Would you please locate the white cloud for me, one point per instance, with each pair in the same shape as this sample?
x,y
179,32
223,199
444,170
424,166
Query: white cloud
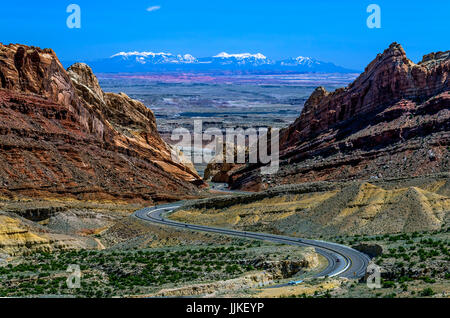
x,y
153,8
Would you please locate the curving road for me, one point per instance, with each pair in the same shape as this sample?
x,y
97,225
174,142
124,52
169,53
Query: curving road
x,y
343,261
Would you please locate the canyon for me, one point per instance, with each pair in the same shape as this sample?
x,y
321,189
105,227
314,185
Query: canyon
x,y
364,166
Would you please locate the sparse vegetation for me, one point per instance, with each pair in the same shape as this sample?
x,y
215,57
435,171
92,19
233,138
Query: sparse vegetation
x,y
127,272
413,264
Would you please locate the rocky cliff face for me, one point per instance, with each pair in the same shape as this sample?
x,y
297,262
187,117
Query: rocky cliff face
x,y
62,136
394,120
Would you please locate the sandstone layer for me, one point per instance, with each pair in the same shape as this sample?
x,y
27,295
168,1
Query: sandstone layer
x,y
61,136
19,236
392,121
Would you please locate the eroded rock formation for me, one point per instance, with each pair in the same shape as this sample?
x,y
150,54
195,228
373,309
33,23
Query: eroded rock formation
x,y
62,136
19,236
393,120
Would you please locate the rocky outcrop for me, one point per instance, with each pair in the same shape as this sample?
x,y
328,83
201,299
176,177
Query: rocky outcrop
x,y
281,269
214,288
268,271
373,250
15,238
62,136
393,120
132,119
218,170
21,237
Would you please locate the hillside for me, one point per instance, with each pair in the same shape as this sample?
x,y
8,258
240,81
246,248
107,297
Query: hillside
x,y
330,208
392,121
62,137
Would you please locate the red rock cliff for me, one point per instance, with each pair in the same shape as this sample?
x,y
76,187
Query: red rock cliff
x,y
392,121
62,136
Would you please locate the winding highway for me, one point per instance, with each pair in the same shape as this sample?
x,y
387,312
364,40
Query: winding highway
x,y
343,261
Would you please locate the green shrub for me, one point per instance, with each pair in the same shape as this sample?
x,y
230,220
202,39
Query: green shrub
x,y
388,284
427,292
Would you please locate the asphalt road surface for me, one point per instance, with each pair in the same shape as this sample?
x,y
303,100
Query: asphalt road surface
x,y
343,261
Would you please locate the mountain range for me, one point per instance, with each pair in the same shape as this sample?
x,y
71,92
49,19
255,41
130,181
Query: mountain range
x,y
136,62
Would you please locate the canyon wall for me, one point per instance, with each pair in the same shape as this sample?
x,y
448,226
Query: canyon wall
x,y
61,136
392,121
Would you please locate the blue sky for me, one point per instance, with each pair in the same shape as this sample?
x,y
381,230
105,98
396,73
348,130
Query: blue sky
x,y
333,31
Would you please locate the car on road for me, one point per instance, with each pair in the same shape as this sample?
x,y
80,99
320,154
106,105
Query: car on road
x,y
295,282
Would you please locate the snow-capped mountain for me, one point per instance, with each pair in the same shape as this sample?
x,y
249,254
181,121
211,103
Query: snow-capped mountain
x,y
154,58
308,64
223,62
234,62
300,60
240,59
241,56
